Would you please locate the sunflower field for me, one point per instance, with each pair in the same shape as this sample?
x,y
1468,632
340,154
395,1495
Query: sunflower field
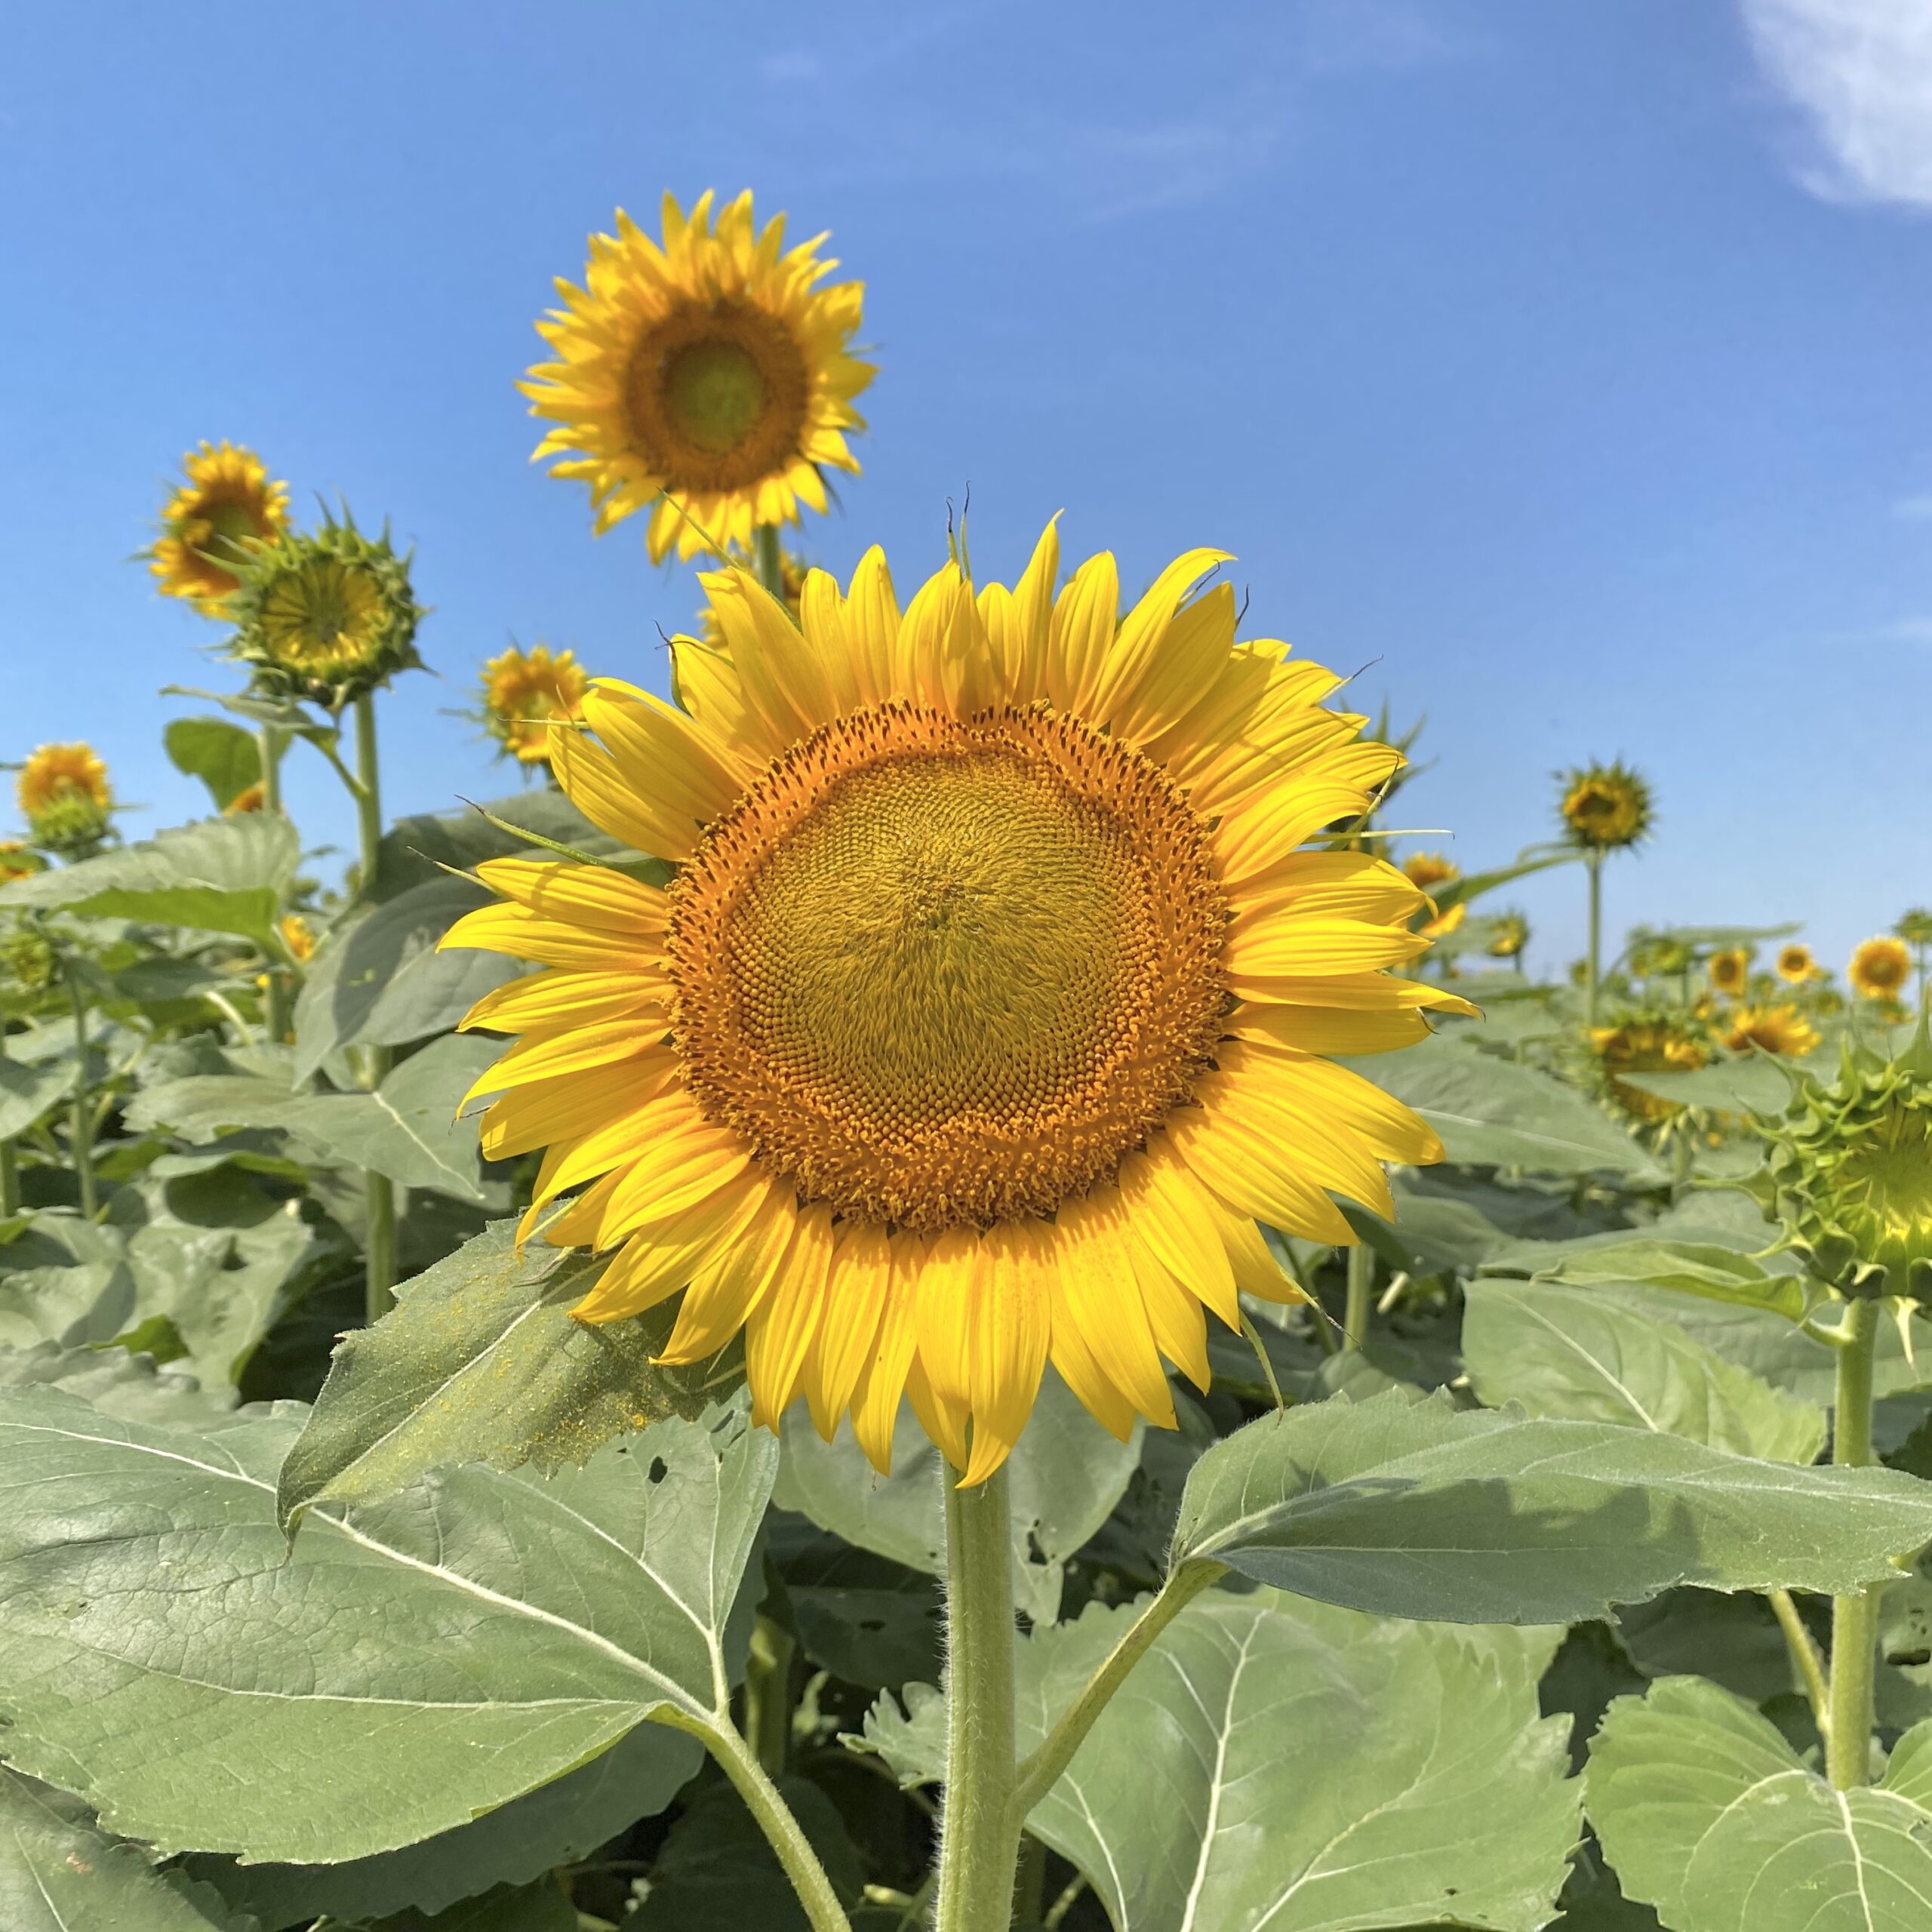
x,y
942,1278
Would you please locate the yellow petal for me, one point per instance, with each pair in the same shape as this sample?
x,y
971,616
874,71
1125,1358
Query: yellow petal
x,y
1179,1326
943,1420
603,791
1097,1294
856,1295
559,997
1133,655
1008,1330
875,1401
523,935
1168,1211
1082,632
579,895
782,1328
1314,1029
650,1268
1250,1173
724,1292
572,1104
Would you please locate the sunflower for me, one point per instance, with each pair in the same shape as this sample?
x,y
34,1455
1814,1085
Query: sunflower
x,y
226,505
986,1012
18,860
1425,871
63,792
1509,933
1796,967
1604,808
1730,969
1879,967
523,691
1645,1046
709,377
1914,927
1777,1029
298,936
327,615
251,798
792,571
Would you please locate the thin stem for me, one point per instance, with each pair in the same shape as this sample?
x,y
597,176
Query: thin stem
x,y
1855,1617
736,1759
1057,1912
80,1133
1041,1771
10,1161
1593,964
1360,1308
269,743
379,1193
768,1694
768,559
1806,1658
979,1825
1030,1897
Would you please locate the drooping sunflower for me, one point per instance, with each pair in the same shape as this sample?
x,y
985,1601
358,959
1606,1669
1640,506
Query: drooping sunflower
x,y
1425,871
226,504
64,794
1729,971
1780,1029
523,691
986,1012
1914,926
1796,967
327,615
710,377
1645,1045
1509,933
1604,808
1879,968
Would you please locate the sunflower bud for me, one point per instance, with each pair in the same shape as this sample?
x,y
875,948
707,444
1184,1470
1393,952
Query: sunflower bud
x,y
1604,808
29,956
64,794
327,615
1849,1172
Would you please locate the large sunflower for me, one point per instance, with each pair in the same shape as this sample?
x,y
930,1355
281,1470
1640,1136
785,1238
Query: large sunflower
x,y
1879,968
985,1015
709,377
226,504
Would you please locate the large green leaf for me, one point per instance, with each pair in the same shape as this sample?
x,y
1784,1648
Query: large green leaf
x,y
1493,1112
407,1129
1273,1762
1744,1084
481,1362
131,1387
1708,1815
1066,1474
380,979
58,1873
1414,1508
415,851
29,1091
401,1669
218,874
224,757
555,1824
1588,1354
1687,1268
538,1908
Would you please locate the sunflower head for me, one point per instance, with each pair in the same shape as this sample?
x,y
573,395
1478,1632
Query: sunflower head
x,y
1780,1029
1658,955
1914,927
1849,1172
1729,971
28,955
708,378
523,691
1604,808
1879,968
298,936
1509,933
987,1011
18,859
1796,967
1645,1044
225,506
327,616
64,794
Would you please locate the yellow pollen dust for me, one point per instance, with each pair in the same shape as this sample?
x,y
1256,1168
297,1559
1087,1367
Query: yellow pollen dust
x,y
943,971
717,394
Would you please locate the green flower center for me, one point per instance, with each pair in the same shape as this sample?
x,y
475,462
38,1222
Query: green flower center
x,y
715,392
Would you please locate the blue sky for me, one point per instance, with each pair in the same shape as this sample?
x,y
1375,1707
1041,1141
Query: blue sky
x,y
1565,370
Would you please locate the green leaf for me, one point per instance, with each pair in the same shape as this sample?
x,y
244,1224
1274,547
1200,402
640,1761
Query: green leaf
x,y
380,979
1734,1641
867,1619
1414,1508
218,874
554,1825
1587,1354
1493,1112
1750,1083
59,1874
413,850
1473,885
1686,1268
400,1670
1066,1474
27,1093
1277,1762
225,758
1706,1814
480,1362
540,1907
407,1129
131,1386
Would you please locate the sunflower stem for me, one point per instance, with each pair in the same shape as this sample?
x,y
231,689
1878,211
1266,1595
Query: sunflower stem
x,y
268,743
768,560
1359,1309
1855,1616
1807,1661
80,1132
978,1851
1593,964
10,1161
378,1191
768,1694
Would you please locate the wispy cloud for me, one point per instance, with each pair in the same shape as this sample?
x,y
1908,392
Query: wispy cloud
x,y
1914,510
1861,71
1910,630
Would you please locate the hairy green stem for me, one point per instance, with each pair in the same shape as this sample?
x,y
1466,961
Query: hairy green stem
x,y
768,1694
1806,1660
1360,1307
1593,962
80,1133
979,1847
10,1161
379,1194
1855,1617
269,744
1041,1771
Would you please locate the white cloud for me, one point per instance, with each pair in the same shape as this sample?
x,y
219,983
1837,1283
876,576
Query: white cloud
x,y
1862,70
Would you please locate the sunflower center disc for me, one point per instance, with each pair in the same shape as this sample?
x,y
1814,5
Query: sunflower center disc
x,y
942,971
715,393
1893,1175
